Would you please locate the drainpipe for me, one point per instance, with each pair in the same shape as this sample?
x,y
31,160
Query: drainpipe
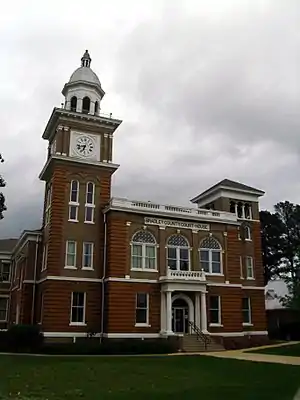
x,y
103,276
34,280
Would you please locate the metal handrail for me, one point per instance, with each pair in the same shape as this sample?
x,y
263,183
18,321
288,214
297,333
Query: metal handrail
x,y
200,335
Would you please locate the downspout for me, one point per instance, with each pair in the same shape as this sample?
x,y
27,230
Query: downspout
x,y
103,276
34,280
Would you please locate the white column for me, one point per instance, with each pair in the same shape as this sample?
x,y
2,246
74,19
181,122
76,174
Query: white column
x,y
197,310
203,313
163,319
243,211
169,311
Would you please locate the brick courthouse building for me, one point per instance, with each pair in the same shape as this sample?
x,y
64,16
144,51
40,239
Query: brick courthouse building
x,y
123,268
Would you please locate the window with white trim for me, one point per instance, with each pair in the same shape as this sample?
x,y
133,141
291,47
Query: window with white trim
x,y
45,257
87,255
210,255
246,310
48,205
71,247
89,203
78,308
74,201
247,233
143,251
215,310
142,309
249,268
178,253
3,309
241,268
5,268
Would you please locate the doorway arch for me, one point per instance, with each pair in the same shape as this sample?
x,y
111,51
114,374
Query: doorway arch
x,y
182,312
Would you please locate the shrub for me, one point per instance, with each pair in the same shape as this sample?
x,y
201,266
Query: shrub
x,y
24,338
3,341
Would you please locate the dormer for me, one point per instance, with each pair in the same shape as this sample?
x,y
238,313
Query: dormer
x,y
231,196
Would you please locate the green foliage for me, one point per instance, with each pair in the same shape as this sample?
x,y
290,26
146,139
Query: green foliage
x,y
24,338
2,198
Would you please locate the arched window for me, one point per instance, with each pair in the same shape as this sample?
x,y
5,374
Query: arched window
x,y
74,201
178,253
247,209
96,107
232,207
247,233
240,210
211,256
89,202
143,251
74,103
86,103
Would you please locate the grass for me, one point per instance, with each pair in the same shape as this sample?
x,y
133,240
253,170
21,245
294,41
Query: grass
x,y
188,377
292,350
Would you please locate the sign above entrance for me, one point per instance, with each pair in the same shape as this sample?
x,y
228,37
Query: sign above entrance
x,y
176,224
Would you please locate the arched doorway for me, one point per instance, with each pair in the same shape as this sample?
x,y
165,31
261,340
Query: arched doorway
x,y
182,313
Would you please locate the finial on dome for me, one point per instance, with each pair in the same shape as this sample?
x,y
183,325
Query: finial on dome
x,y
86,59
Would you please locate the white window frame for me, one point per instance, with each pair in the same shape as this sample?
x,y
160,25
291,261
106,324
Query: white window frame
x,y
219,323
178,259
7,301
249,267
247,232
147,309
83,323
73,203
92,255
210,261
4,262
89,205
241,268
48,205
45,257
249,323
144,245
74,254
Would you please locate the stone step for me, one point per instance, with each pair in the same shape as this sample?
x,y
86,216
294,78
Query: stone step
x,y
191,344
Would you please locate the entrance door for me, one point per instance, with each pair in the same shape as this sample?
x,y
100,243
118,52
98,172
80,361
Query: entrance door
x,y
180,316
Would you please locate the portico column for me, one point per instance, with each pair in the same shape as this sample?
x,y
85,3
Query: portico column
x,y
203,313
163,319
197,310
169,311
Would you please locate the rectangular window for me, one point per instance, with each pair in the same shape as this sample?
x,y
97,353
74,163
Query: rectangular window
x,y
150,257
204,260
142,310
74,201
87,255
241,267
172,258
48,205
45,257
5,272
249,268
70,260
89,202
78,308
143,256
210,261
137,256
215,310
184,259
3,308
246,310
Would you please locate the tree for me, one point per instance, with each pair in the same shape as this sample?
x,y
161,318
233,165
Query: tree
x,y
2,198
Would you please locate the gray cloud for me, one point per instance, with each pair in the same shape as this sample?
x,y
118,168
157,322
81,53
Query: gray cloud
x,y
207,90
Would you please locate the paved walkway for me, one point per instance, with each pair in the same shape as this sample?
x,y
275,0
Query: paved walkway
x,y
246,355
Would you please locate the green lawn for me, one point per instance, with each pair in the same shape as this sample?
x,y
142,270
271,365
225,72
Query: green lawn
x,y
185,377
286,350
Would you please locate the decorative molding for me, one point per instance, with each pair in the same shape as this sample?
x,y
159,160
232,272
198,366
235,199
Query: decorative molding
x,y
128,223
253,287
133,280
131,335
161,227
69,278
225,234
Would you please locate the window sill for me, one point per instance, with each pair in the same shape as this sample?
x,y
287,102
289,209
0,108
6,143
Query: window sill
x,y
69,267
247,324
87,268
213,274
216,325
143,325
143,270
77,324
73,220
89,222
250,279
248,240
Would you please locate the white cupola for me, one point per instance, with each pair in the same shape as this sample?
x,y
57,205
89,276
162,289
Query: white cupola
x,y
83,93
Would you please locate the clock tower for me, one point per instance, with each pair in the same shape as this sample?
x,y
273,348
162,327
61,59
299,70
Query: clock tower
x,y
77,175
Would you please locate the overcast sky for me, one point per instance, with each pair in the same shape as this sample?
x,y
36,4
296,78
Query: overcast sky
x,y
206,90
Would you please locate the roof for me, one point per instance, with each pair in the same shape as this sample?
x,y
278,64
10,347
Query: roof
x,y
274,291
85,74
228,184
7,245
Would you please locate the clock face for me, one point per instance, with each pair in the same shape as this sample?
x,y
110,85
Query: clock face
x,y
85,146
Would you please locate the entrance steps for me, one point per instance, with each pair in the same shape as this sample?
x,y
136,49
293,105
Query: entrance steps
x,y
192,344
